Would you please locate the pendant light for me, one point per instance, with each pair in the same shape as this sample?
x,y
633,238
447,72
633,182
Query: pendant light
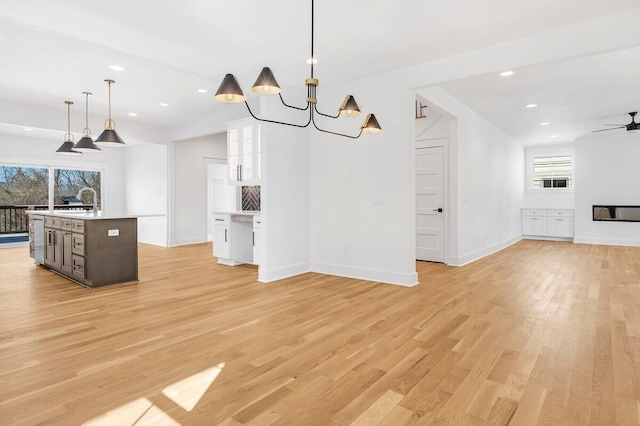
x,y
86,143
67,146
266,84
109,137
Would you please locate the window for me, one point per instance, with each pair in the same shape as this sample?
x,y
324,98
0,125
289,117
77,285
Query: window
x,y
552,172
67,183
24,185
550,168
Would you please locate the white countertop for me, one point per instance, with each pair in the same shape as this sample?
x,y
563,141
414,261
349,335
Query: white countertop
x,y
241,213
80,214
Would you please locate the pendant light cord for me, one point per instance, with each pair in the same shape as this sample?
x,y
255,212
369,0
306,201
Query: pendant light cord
x,y
312,57
68,118
109,101
86,111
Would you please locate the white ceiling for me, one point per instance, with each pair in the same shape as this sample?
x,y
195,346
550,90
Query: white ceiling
x,y
53,50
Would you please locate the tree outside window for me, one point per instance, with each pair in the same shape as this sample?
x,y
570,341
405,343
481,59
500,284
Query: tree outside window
x,y
67,183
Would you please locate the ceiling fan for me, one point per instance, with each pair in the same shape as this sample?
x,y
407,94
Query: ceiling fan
x,y
632,127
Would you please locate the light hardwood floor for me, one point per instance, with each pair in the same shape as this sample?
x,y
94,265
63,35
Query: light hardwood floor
x,y
539,333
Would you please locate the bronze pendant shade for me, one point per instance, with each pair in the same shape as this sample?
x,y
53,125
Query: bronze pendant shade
x,y
266,84
67,146
109,137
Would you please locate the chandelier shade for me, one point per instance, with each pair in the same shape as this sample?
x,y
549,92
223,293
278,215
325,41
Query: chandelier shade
x,y
349,107
266,84
229,91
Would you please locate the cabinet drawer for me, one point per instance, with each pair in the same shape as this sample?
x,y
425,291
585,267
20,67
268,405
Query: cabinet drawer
x,y
560,213
221,219
534,212
53,222
77,225
77,244
79,271
66,224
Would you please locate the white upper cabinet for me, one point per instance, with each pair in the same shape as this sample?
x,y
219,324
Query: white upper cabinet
x,y
244,152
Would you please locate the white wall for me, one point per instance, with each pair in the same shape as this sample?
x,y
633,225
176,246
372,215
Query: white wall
x,y
24,150
146,177
188,191
284,196
607,172
350,234
488,194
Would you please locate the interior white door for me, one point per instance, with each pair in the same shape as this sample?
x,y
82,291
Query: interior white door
x,y
429,204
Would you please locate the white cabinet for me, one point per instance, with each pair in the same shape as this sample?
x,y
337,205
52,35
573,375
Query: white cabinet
x,y
560,223
244,152
221,237
547,224
237,239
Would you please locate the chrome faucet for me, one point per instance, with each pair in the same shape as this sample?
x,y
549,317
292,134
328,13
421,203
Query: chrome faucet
x,y
95,197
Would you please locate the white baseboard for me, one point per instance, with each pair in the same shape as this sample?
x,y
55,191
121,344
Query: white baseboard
x,y
16,244
187,241
387,277
472,257
267,276
607,241
153,241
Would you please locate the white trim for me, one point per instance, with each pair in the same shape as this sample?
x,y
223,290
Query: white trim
x,y
472,257
607,242
153,241
187,241
386,277
547,238
267,276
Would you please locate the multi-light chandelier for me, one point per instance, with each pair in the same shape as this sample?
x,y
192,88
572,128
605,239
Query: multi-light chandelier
x,y
109,137
266,84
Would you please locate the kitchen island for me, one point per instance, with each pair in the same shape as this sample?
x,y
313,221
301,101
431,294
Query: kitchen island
x,y
91,249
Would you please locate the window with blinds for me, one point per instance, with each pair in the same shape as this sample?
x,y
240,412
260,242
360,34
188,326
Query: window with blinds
x,y
553,172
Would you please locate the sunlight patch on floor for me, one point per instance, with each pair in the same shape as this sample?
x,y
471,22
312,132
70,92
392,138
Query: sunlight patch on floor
x,y
187,392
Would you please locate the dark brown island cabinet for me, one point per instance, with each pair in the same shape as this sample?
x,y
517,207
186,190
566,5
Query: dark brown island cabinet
x,y
91,250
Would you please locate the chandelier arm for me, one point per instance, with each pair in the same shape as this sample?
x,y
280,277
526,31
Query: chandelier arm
x,y
333,133
277,122
325,115
292,106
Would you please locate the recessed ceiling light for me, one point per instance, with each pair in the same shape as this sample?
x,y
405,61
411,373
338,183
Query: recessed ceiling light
x,y
116,68
133,114
545,123
506,73
554,136
312,61
532,105
28,129
202,91
164,104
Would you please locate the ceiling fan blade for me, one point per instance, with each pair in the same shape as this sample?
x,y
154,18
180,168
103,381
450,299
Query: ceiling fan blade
x,y
605,130
614,124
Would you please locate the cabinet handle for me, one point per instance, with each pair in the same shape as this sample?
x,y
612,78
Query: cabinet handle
x,y
219,220
225,235
240,172
254,239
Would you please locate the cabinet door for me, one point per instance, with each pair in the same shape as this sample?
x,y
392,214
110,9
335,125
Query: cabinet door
x,y
540,226
244,148
221,242
528,225
49,248
258,244
554,227
67,253
233,154
57,249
